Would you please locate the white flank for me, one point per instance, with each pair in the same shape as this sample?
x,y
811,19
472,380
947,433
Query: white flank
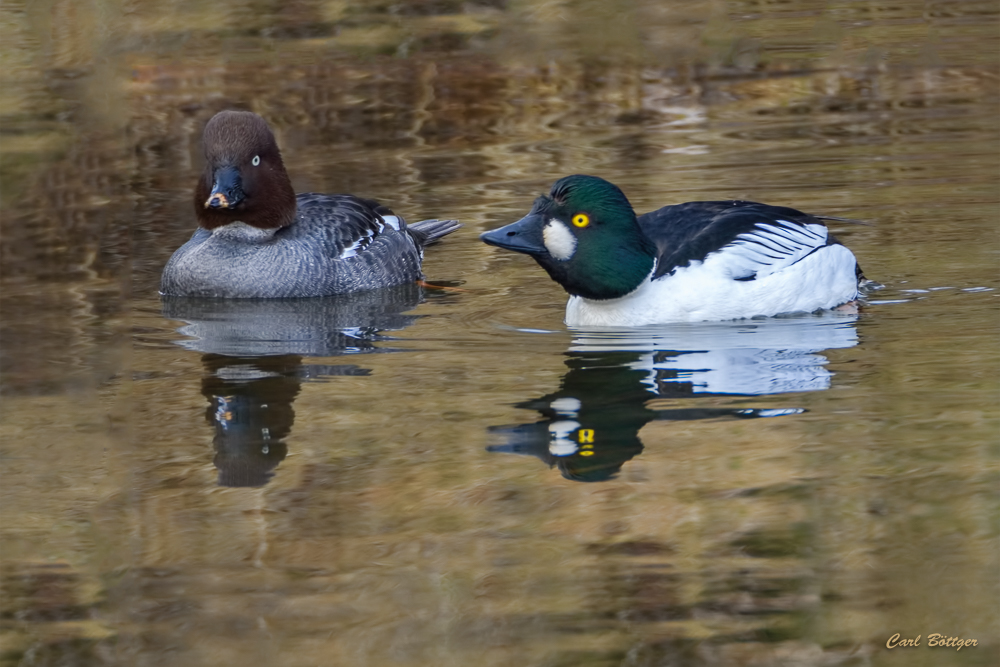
x,y
559,241
706,291
392,221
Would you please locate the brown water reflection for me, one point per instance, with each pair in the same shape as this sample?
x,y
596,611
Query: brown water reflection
x,y
388,533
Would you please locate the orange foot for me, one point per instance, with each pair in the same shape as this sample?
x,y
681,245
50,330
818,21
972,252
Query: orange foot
x,y
424,283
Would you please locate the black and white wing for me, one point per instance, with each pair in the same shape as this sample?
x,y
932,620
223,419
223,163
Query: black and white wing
x,y
748,239
348,225
771,247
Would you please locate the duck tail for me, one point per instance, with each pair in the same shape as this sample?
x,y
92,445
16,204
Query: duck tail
x,y
427,232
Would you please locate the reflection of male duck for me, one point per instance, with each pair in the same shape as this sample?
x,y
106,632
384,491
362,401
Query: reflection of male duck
x,y
754,357
590,427
252,355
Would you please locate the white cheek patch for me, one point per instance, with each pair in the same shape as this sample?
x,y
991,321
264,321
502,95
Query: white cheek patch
x,y
559,241
559,440
567,406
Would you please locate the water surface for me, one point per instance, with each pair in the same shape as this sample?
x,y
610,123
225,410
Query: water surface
x,y
448,475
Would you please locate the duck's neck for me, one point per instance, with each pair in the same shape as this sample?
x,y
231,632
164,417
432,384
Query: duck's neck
x,y
611,270
243,233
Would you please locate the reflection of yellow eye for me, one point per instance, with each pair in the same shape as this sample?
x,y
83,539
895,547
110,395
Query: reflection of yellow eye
x,y
581,220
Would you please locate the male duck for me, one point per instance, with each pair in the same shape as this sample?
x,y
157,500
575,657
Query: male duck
x,y
707,260
257,239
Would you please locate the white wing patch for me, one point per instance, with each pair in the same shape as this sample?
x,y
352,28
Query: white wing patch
x,y
771,247
368,235
351,250
359,246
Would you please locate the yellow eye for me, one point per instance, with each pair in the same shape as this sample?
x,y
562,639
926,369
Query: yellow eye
x,y
581,220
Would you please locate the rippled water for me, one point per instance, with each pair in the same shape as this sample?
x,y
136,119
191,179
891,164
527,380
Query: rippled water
x,y
448,475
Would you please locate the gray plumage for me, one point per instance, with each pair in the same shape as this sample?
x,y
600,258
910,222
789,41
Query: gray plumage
x,y
257,239
306,258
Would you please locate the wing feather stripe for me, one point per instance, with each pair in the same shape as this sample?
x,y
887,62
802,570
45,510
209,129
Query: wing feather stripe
x,y
741,239
789,230
770,244
747,256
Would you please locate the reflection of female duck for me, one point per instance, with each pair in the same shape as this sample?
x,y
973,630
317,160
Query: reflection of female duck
x,y
590,427
250,407
253,363
320,327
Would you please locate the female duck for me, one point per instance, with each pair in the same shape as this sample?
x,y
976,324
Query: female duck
x,y
258,240
711,260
